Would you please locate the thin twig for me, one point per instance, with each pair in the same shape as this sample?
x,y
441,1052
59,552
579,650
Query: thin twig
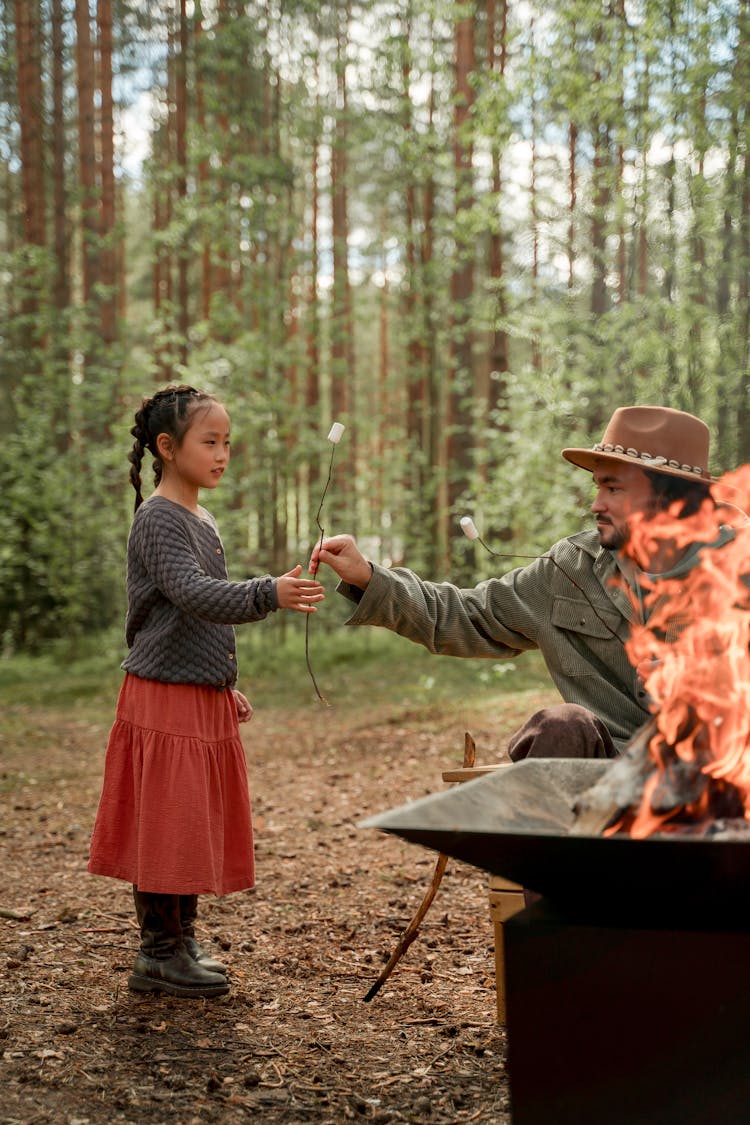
x,y
274,1085
105,930
318,692
513,555
14,915
412,929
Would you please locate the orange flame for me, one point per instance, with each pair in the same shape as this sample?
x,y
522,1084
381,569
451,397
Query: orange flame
x,y
693,653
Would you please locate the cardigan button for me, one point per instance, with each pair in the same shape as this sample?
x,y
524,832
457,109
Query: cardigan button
x,y
230,655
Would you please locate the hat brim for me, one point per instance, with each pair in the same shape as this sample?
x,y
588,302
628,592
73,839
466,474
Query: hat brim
x,y
590,458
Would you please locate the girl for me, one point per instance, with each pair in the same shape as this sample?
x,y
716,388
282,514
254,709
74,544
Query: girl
x,y
174,814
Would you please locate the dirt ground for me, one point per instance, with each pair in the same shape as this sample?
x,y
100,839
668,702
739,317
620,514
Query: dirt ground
x,y
293,1041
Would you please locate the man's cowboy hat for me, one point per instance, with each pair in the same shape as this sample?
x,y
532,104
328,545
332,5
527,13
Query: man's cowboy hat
x,y
651,437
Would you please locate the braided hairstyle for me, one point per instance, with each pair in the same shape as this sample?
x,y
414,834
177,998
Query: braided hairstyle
x,y
169,411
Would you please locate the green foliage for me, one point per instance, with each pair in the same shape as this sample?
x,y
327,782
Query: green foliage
x,y
61,520
350,665
622,139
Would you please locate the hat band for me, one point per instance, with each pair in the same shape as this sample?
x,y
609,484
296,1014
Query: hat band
x,y
651,461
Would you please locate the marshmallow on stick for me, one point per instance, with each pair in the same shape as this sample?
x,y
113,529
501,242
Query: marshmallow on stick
x,y
334,436
468,527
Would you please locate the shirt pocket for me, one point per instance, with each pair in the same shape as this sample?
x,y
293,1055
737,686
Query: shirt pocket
x,y
590,645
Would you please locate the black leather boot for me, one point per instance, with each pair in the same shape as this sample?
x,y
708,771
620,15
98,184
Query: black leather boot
x,y
188,914
163,963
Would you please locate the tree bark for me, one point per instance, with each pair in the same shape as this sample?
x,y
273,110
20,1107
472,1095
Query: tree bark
x,y
498,358
180,132
461,379
342,334
31,119
434,526
312,388
417,413
108,256
202,163
87,162
572,200
61,285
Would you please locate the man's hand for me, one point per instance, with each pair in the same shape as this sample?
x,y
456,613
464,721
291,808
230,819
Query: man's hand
x,y
342,554
298,593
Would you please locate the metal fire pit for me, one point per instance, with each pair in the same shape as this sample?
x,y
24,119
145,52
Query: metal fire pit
x,y
628,983
517,823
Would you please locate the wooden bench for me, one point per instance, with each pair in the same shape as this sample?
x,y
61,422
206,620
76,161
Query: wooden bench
x,y
506,898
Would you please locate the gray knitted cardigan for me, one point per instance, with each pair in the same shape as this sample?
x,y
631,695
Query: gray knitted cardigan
x,y
181,606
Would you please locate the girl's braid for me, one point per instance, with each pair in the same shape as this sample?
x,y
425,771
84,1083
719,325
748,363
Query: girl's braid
x,y
169,411
135,457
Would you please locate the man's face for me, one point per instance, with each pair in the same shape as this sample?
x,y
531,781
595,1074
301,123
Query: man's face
x,y
621,491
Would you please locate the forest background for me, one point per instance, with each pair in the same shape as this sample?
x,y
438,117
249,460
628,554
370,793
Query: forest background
x,y
466,231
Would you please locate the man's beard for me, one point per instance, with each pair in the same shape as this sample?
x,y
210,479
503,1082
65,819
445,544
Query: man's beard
x,y
611,538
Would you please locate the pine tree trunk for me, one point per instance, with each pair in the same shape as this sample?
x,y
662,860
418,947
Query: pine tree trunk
x,y
312,389
180,130
461,386
417,411
202,170
498,359
536,354
87,162
743,298
572,200
726,439
600,138
31,118
61,288
342,335
599,297
222,274
381,405
108,254
622,250
434,526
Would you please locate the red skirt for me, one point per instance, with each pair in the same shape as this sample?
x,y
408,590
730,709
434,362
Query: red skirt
x,y
174,813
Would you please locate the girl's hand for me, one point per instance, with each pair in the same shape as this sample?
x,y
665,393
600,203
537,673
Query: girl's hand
x,y
298,593
244,710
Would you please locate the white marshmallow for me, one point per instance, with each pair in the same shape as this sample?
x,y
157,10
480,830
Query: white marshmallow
x,y
468,528
335,432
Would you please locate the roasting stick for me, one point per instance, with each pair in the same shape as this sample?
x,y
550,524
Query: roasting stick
x,y
334,436
469,529
412,929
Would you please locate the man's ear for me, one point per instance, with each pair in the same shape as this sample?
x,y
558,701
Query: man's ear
x,y
165,447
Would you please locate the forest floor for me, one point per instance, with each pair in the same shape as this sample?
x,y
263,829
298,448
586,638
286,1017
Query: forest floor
x,y
293,1041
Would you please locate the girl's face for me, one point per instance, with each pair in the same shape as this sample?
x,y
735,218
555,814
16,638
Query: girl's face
x,y
204,453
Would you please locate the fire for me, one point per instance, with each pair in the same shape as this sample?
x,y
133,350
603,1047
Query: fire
x,y
693,654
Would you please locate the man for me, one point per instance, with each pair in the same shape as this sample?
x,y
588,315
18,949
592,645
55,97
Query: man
x,y
572,603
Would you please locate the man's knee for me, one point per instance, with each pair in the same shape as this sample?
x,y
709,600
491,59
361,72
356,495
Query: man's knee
x,y
566,730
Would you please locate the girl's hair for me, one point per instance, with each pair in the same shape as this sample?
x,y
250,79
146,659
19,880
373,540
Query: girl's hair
x,y
169,411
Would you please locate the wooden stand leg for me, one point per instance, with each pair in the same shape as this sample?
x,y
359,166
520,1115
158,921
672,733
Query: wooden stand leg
x,y
506,899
